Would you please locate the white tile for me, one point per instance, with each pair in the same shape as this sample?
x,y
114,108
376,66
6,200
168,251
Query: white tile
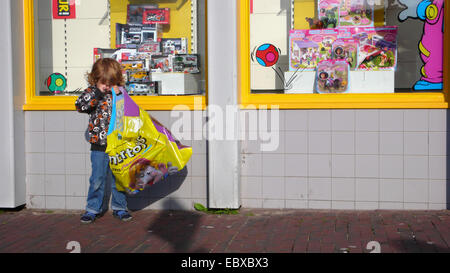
x,y
437,191
199,146
273,187
315,204
296,165
437,143
416,167
343,189
416,191
34,121
55,202
296,188
438,167
75,142
343,166
366,143
182,204
319,165
273,203
416,143
416,120
75,203
54,142
54,121
343,120
367,189
367,166
198,165
319,189
199,187
75,122
75,163
391,120
251,165
55,163
438,120
319,120
441,206
251,187
296,142
343,205
296,204
250,147
274,143
366,120
343,143
366,205
391,166
35,202
34,142
252,203
35,163
391,206
296,120
76,185
319,142
55,185
415,206
272,165
391,190
35,184
391,143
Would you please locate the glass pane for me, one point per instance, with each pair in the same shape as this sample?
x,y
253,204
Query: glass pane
x,y
160,44
346,46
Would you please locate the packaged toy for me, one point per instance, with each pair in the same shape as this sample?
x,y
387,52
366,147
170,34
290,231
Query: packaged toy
x,y
332,76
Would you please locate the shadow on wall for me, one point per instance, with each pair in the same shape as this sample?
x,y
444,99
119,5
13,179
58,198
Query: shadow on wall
x,y
157,192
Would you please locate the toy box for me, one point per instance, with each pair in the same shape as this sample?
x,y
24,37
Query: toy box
x,y
346,49
156,16
329,13
308,47
356,13
150,47
187,63
130,36
174,46
135,13
161,63
103,53
377,47
138,76
332,76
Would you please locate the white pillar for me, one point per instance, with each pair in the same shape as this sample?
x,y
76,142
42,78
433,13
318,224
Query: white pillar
x,y
12,86
223,152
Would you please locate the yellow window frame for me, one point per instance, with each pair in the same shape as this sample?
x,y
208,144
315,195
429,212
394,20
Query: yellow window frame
x,y
331,101
35,102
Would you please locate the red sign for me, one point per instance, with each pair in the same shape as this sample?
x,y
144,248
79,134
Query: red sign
x,y
64,9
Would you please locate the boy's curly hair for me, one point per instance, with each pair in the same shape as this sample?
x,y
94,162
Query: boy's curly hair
x,y
106,71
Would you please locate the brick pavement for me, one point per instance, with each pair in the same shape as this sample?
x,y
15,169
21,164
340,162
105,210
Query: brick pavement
x,y
250,231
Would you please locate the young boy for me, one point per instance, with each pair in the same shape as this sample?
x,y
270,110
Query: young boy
x,y
96,101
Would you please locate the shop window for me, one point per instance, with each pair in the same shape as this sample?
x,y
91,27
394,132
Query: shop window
x,y
321,53
160,44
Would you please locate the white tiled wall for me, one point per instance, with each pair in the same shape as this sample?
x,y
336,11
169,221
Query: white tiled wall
x,y
350,159
58,165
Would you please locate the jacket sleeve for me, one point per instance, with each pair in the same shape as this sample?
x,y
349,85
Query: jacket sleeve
x,y
88,100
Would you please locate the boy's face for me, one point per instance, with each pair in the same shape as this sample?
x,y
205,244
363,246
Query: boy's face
x,y
105,88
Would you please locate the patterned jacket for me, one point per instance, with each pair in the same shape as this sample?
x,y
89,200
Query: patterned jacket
x,y
98,105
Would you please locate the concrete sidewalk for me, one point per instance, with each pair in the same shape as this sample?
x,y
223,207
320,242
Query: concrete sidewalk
x,y
250,231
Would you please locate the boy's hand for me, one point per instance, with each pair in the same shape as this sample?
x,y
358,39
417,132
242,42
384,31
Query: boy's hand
x,y
115,88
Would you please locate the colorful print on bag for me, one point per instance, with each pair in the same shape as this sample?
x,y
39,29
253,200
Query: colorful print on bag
x,y
141,150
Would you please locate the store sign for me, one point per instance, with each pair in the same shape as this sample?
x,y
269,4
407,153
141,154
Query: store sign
x,y
64,9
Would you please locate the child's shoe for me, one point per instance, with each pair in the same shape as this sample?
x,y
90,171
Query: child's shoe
x,y
122,215
88,217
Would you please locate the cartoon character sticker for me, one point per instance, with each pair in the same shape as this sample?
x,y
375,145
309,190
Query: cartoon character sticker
x,y
431,43
145,172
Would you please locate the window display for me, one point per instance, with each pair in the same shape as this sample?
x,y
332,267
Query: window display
x,y
146,37
395,45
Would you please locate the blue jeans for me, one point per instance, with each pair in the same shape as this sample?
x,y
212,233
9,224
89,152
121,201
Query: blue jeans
x,y
101,183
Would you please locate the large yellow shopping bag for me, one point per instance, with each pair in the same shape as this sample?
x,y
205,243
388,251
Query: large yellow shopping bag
x,y
141,150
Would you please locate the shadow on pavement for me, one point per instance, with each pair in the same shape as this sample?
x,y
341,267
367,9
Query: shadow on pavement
x,y
182,236
417,246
